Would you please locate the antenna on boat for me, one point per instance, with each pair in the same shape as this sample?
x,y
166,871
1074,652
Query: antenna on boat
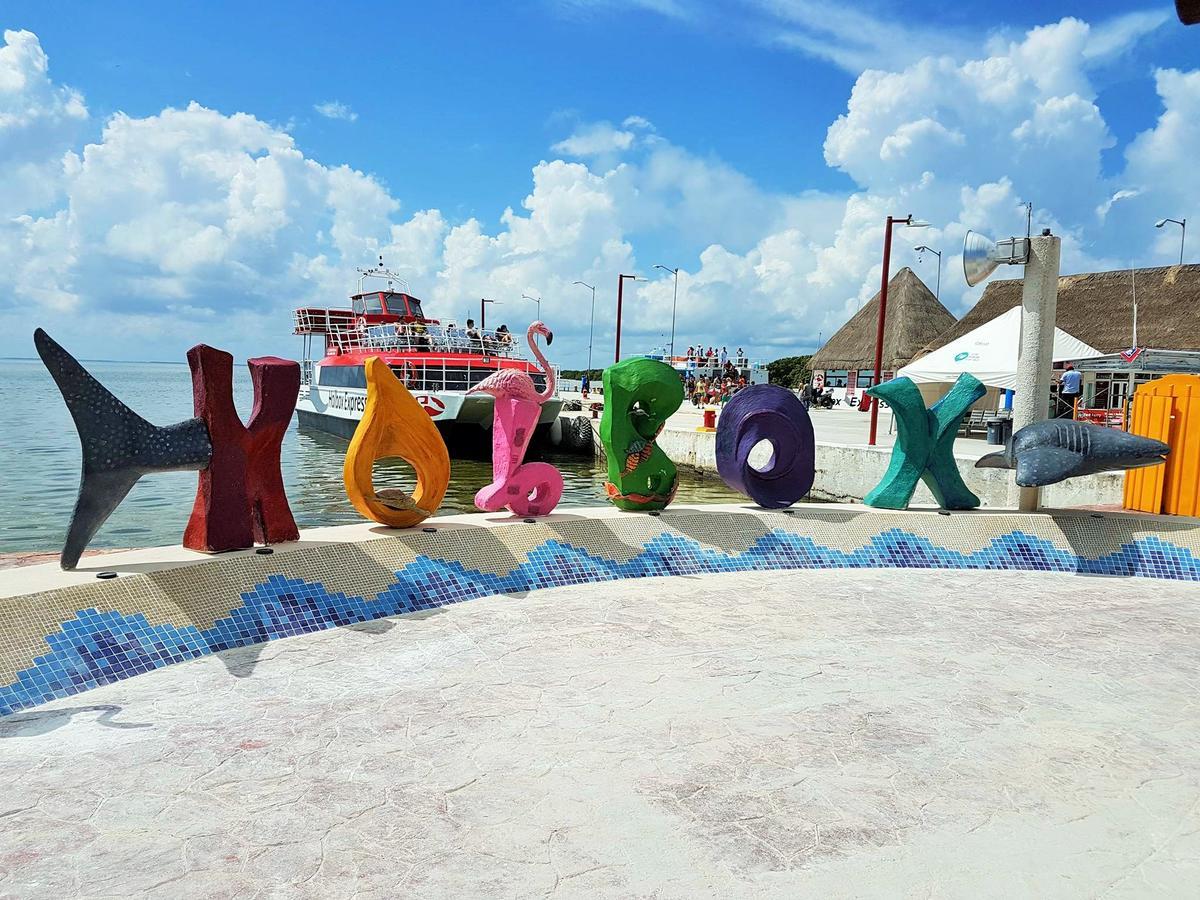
x,y
380,271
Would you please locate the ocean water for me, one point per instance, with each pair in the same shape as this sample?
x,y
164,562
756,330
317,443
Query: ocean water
x,y
39,464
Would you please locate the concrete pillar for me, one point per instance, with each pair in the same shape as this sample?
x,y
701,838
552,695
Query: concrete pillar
x,y
1039,304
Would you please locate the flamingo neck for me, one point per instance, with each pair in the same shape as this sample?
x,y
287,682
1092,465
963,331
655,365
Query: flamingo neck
x,y
547,370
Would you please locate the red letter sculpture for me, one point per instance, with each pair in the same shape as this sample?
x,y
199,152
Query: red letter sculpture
x,y
240,498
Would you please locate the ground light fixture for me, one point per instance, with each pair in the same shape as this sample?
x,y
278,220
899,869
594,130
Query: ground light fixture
x,y
908,222
1182,223
591,323
674,301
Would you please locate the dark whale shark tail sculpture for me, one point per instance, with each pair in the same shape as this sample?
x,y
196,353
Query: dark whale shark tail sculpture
x,y
119,446
1049,452
240,497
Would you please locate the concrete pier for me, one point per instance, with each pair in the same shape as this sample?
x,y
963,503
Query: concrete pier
x,y
847,468
716,701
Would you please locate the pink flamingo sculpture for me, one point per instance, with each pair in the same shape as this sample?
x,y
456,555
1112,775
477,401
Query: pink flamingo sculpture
x,y
532,489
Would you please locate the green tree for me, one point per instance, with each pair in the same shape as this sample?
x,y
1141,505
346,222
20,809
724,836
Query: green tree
x,y
790,371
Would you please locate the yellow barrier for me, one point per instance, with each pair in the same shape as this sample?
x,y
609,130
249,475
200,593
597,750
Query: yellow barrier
x,y
395,424
1167,409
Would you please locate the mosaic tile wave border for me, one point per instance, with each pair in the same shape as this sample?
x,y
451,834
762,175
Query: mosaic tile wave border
x,y
95,646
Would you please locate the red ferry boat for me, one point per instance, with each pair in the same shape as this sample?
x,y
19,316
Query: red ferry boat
x,y
438,361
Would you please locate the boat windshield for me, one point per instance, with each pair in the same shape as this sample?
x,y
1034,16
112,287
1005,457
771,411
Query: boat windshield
x,y
414,308
368,304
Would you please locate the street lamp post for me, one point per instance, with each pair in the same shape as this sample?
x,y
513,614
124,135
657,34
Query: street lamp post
x,y
538,301
483,312
1182,223
620,297
938,291
674,301
883,292
591,323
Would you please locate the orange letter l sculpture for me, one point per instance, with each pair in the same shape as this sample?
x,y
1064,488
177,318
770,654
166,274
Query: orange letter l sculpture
x,y
395,424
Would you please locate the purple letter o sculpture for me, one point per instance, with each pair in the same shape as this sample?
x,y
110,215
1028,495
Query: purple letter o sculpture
x,y
766,412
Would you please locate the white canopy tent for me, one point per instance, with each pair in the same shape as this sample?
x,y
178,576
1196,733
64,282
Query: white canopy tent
x,y
990,354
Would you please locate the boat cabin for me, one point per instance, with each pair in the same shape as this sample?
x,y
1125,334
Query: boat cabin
x,y
386,307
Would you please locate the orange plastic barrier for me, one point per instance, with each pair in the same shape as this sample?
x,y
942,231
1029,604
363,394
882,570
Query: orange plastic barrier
x,y
1168,409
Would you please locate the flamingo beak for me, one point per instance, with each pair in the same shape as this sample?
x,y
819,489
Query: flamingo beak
x,y
549,337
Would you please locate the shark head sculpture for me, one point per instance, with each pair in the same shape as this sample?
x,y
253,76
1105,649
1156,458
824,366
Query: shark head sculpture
x,y
1048,452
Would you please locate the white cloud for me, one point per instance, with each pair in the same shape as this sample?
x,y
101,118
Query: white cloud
x,y
595,139
39,121
223,223
672,9
851,38
1104,208
332,109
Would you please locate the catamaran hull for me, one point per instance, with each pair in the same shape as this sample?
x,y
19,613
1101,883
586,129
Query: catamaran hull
x,y
338,410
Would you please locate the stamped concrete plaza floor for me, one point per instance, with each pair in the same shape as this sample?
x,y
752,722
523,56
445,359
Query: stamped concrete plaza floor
x,y
820,733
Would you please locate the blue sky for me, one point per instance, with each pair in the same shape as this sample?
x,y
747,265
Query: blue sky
x,y
620,134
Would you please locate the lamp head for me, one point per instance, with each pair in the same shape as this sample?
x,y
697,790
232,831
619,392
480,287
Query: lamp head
x,y
981,255
1160,223
978,262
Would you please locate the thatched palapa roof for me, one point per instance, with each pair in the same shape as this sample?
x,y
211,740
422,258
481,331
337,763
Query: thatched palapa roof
x,y
914,318
1097,308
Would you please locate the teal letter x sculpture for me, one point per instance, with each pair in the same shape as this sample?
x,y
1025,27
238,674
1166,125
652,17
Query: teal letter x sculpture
x,y
925,444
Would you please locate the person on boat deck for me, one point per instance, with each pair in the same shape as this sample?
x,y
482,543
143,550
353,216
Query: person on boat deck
x,y
724,357
504,339
455,339
474,341
741,357
420,336
584,384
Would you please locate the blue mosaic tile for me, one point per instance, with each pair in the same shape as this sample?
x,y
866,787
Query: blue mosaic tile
x,y
96,648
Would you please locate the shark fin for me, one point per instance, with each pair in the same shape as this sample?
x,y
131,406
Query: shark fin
x,y
993,461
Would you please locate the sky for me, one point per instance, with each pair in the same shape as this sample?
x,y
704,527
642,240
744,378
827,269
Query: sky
x,y
184,173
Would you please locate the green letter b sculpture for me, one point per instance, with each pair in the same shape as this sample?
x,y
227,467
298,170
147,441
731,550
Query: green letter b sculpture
x,y
639,396
925,444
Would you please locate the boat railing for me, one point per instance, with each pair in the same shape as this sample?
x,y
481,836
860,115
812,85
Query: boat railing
x,y
433,374
316,320
420,338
